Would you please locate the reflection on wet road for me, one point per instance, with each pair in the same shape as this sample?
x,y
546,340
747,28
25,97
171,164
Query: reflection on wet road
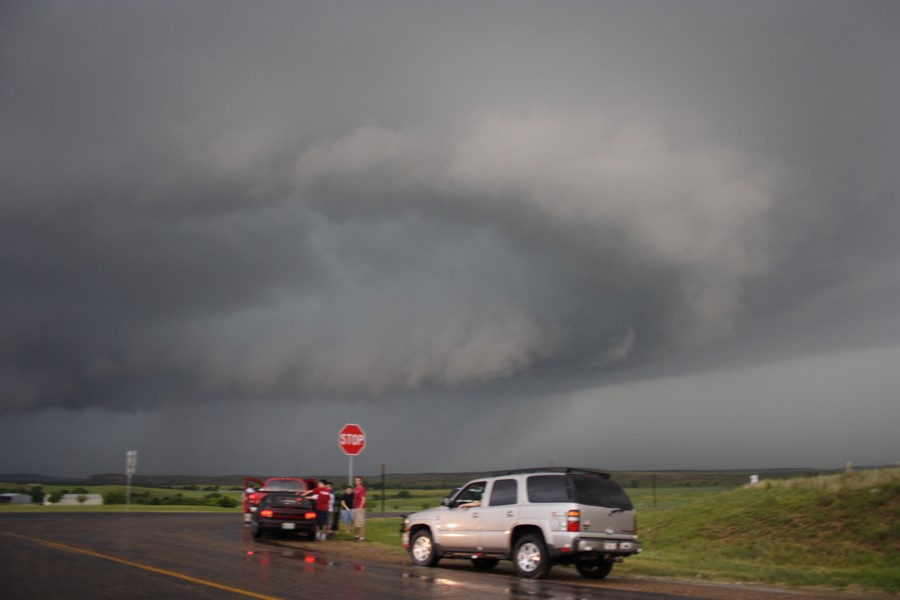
x,y
213,556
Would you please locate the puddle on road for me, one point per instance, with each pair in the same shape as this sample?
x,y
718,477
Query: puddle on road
x,y
304,556
512,589
508,587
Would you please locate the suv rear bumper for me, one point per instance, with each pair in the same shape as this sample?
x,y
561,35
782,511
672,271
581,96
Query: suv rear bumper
x,y
606,547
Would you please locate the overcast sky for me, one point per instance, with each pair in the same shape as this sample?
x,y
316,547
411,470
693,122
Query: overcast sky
x,y
644,234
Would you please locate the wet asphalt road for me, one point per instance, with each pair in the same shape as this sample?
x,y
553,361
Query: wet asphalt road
x,y
204,555
158,555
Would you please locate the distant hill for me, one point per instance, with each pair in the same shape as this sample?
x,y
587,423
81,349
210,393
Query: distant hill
x,y
434,481
25,478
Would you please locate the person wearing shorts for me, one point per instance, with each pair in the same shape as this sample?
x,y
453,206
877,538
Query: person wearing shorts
x,y
359,509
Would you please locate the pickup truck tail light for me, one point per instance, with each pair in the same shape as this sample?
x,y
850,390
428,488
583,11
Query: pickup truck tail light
x,y
267,513
573,520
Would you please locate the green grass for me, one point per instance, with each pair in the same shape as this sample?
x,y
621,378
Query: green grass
x,y
840,531
644,499
382,533
413,500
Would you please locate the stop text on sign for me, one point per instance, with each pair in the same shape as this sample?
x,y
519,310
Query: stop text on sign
x,y
351,439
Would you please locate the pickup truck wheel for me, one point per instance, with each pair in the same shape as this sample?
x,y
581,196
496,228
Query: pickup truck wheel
x,y
530,557
594,569
422,550
255,530
485,563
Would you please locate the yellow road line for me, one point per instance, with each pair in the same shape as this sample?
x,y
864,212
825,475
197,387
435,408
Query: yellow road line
x,y
213,584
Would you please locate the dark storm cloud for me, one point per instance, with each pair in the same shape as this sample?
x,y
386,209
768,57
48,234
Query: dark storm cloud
x,y
303,294
173,221
404,201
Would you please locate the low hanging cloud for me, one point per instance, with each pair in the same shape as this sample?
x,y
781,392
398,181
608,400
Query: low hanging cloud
x,y
680,230
389,261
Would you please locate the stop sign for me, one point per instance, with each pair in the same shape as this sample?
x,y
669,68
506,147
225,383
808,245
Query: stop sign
x,y
352,439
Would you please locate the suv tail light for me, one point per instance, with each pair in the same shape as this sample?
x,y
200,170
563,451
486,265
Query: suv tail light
x,y
573,520
266,513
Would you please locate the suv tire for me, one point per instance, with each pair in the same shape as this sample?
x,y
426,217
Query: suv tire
x,y
422,550
594,569
530,557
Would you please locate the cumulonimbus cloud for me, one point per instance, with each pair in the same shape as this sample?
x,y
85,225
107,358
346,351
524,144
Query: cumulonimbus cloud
x,y
647,217
439,256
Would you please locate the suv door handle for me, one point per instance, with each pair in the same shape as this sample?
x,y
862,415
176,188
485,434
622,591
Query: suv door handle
x,y
509,513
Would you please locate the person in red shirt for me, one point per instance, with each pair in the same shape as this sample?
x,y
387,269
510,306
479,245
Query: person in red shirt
x,y
323,508
359,509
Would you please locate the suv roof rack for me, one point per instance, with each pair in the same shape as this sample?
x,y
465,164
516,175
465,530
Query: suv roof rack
x,y
552,470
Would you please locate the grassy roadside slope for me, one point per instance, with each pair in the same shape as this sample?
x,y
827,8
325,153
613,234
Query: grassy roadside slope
x,y
839,531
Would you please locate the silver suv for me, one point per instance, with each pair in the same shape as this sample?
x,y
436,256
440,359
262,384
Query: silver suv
x,y
534,517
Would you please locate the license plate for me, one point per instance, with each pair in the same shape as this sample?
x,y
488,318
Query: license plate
x,y
609,545
287,525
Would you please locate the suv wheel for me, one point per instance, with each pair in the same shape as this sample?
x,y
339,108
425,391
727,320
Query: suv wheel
x,y
594,569
422,550
530,557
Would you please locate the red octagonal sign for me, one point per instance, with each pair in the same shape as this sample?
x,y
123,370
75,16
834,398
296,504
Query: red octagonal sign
x,y
352,439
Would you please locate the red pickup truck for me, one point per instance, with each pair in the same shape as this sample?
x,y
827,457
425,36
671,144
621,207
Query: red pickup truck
x,y
272,484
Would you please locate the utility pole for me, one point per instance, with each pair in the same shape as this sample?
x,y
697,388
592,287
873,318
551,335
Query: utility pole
x,y
130,468
382,489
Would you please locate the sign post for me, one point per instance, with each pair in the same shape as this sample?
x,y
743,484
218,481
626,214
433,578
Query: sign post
x,y
130,468
352,440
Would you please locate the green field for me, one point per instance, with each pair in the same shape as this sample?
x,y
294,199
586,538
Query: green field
x,y
837,530
840,531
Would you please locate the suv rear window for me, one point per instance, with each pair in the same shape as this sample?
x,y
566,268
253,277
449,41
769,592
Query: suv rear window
x,y
591,490
547,488
285,485
599,491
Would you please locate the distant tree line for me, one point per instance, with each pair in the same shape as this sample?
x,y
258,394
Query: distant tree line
x,y
150,499
214,498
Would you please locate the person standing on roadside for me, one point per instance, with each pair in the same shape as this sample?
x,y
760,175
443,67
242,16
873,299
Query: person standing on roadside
x,y
347,506
359,509
333,509
323,499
